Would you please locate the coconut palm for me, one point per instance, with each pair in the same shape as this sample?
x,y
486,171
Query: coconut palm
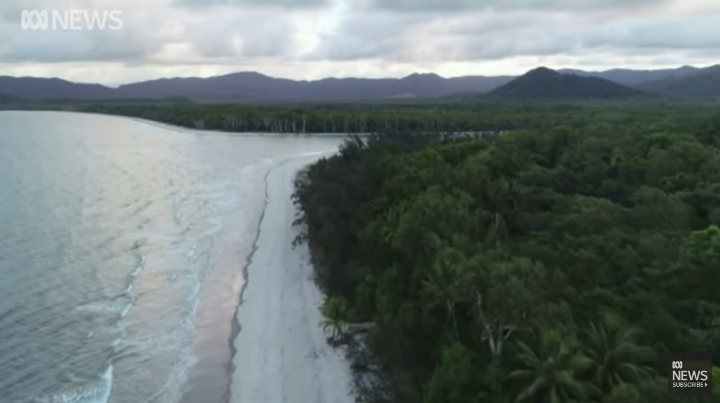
x,y
334,312
552,374
446,284
616,358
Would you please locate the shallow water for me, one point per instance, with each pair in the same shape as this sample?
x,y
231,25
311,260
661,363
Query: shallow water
x,y
122,246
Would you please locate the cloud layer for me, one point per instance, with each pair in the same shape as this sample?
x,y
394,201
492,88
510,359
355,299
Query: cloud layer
x,y
314,38
533,5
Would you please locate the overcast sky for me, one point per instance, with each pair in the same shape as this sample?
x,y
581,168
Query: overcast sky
x,y
310,39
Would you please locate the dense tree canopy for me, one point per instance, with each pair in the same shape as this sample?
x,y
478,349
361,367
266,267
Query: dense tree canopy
x,y
552,265
419,117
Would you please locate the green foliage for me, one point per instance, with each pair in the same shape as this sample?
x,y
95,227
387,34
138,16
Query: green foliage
x,y
453,380
698,270
616,358
335,314
552,371
431,117
556,264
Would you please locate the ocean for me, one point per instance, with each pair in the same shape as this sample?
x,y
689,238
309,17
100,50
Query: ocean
x,y
122,250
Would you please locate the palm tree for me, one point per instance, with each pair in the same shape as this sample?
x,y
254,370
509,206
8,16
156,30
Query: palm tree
x,y
616,358
334,312
446,284
552,372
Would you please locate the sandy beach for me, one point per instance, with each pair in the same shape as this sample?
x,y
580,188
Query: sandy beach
x,y
282,354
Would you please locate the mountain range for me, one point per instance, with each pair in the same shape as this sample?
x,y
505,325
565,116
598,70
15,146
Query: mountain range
x,y
683,82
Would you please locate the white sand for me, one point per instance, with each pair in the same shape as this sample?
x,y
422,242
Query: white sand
x,y
282,352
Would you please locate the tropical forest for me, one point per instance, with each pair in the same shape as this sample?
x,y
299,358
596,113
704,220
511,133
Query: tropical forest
x,y
555,260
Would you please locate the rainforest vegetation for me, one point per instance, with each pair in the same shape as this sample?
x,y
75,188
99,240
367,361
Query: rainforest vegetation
x,y
559,263
392,117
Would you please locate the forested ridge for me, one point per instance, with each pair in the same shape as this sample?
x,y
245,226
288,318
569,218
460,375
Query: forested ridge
x,y
554,265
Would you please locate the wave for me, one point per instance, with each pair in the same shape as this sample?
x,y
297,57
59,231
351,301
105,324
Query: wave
x,y
133,275
107,305
96,392
121,303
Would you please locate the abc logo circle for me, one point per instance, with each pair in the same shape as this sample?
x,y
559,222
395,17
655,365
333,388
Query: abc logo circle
x,y
677,364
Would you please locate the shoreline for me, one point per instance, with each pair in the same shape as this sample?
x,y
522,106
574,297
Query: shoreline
x,y
235,326
190,130
282,354
227,374
209,378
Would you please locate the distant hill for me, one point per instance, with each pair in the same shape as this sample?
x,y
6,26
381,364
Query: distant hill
x,y
546,84
635,77
705,85
52,88
254,86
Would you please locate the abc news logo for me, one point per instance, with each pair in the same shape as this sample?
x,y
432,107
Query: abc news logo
x,y
690,374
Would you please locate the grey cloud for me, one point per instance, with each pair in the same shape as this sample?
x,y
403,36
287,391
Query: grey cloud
x,y
412,38
476,36
71,46
11,10
249,31
537,5
239,34
137,40
697,32
274,43
508,47
354,48
367,35
210,34
292,4
244,37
